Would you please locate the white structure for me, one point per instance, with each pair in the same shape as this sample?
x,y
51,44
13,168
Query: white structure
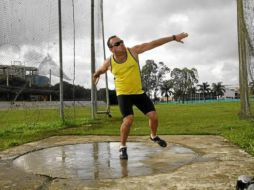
x,y
232,91
8,71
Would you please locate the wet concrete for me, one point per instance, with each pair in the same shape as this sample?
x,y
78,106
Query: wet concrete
x,y
92,161
189,162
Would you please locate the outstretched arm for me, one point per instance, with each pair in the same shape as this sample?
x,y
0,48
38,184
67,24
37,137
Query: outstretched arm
x,y
155,43
101,70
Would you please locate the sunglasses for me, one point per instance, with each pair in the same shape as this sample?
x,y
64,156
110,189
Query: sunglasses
x,y
118,43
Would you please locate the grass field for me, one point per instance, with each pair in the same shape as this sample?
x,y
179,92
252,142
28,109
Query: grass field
x,y
21,126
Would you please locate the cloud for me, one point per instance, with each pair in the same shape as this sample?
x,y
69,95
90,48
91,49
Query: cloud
x,y
212,28
48,66
211,46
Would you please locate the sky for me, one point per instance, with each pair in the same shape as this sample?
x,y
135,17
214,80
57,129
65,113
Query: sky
x,y
30,36
211,47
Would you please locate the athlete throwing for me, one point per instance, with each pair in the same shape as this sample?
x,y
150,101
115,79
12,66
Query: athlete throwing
x,y
124,65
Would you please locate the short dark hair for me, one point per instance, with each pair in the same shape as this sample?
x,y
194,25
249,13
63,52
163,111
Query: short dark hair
x,y
108,42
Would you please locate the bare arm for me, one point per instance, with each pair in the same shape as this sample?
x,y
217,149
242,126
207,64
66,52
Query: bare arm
x,y
155,43
101,70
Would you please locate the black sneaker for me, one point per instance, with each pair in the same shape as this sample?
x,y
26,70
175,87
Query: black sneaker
x,y
158,140
123,153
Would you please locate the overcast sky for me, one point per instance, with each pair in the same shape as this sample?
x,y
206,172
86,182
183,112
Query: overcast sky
x,y
29,33
211,47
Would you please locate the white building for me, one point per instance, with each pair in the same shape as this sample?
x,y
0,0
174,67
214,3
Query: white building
x,y
232,91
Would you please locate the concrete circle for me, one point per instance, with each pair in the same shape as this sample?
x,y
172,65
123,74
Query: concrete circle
x,y
100,160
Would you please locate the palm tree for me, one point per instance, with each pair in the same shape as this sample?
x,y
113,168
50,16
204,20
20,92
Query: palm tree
x,y
218,89
192,92
166,87
204,89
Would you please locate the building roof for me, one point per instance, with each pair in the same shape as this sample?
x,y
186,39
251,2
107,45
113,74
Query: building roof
x,y
19,67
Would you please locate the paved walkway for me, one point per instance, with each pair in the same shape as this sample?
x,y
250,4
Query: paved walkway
x,y
218,167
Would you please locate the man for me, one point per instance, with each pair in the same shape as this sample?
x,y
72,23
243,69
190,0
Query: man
x,y
124,65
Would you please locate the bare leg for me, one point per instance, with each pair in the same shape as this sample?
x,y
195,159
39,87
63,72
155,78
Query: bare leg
x,y
153,122
125,129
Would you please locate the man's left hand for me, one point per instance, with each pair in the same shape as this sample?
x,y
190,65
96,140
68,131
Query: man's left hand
x,y
181,36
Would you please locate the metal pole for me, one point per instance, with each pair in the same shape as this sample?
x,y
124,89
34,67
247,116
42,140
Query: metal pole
x,y
104,53
74,58
61,61
93,88
50,95
7,79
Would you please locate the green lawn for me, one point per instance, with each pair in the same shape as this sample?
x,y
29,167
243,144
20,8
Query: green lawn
x,y
21,126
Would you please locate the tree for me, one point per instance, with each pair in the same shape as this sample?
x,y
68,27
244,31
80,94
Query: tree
x,y
152,75
204,89
183,79
72,92
218,89
160,76
166,88
148,74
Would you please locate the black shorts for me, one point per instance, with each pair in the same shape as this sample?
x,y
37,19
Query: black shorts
x,y
141,101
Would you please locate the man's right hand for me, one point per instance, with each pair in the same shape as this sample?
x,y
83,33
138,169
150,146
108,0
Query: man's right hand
x,y
96,78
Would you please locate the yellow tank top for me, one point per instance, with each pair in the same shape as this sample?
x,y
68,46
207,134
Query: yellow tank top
x,y
127,76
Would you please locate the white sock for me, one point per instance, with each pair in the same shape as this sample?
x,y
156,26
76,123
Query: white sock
x,y
121,146
153,136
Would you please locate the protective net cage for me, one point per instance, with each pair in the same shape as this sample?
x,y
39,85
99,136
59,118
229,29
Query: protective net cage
x,y
245,15
29,60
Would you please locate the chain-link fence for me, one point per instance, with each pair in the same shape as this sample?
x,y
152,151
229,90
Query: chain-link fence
x,y
29,58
